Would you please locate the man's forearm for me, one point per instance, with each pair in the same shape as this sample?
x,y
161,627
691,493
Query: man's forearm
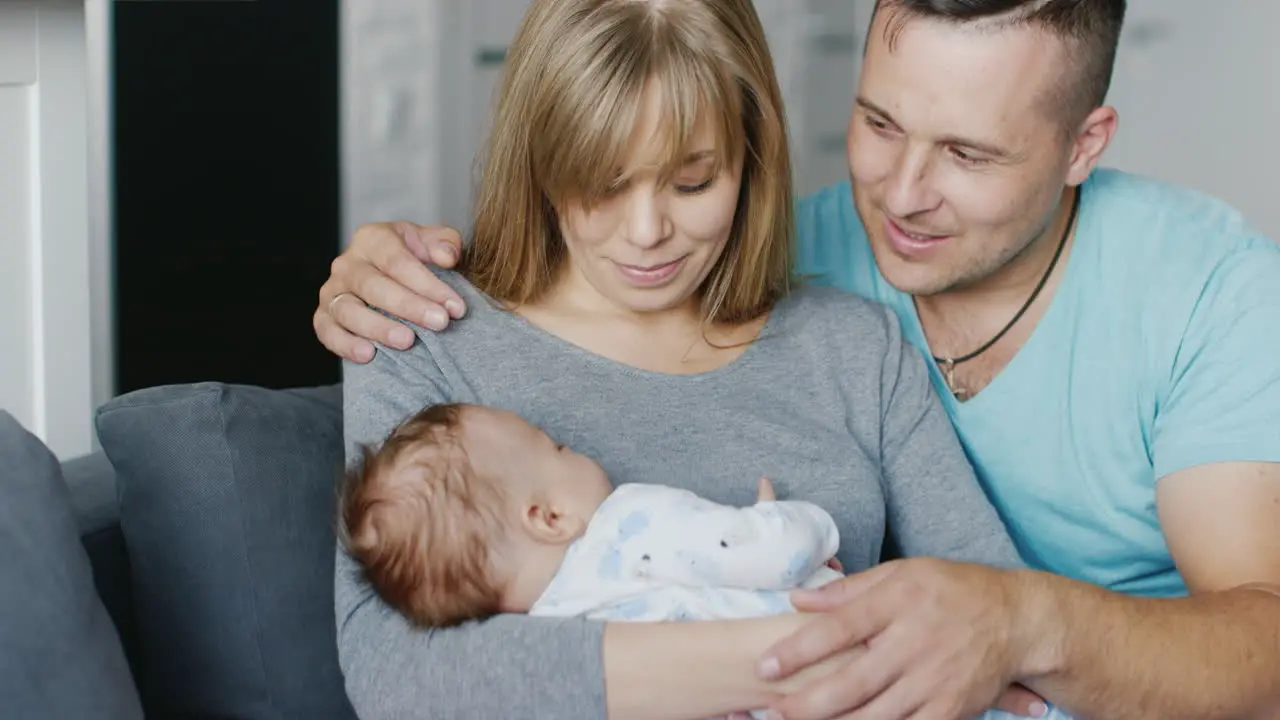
x,y
1103,655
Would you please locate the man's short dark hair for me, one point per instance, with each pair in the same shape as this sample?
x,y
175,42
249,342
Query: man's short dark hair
x,y
1090,27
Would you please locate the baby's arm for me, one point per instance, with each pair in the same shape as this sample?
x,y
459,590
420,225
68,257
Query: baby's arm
x,y
772,545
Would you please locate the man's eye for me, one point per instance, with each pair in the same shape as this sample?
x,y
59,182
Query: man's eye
x,y
967,158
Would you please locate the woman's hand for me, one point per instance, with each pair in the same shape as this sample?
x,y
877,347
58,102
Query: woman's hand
x,y
939,641
385,266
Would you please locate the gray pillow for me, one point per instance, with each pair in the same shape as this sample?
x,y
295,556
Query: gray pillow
x,y
227,501
60,656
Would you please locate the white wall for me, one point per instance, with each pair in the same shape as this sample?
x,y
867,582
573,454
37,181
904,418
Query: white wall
x,y
46,308
391,65
1199,100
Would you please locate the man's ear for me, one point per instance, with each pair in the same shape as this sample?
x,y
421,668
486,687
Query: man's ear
x,y
1091,140
549,524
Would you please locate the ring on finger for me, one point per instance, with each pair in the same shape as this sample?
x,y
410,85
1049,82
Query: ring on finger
x,y
335,300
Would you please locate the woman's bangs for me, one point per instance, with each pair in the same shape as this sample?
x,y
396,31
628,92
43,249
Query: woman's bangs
x,y
584,157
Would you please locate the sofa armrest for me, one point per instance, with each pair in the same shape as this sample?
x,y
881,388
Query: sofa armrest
x,y
92,482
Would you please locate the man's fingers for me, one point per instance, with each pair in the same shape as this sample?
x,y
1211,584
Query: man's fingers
x,y
437,295
371,287
843,691
352,316
835,594
816,641
1022,702
339,341
765,492
441,245
420,280
400,255
895,702
412,239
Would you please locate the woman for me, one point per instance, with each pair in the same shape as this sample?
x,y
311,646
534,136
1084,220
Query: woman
x,y
629,290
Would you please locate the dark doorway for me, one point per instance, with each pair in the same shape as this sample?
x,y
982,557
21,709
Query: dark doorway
x,y
227,209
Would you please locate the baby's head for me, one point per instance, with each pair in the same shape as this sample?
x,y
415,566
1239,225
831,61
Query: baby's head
x,y
466,511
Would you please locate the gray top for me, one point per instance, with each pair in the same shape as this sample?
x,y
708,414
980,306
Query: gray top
x,y
829,402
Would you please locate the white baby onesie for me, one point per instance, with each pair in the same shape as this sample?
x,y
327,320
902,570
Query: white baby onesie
x,y
653,552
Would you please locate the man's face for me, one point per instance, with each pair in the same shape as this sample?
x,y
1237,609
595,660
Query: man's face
x,y
957,159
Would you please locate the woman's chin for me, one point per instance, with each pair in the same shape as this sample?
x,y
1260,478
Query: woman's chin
x,y
650,302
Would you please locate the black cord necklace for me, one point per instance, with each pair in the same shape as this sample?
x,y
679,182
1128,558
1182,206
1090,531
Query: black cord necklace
x,y
948,365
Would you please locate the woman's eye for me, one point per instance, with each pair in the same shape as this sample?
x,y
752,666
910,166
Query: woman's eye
x,y
695,189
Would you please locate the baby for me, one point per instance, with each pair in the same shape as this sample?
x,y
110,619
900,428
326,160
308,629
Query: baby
x,y
467,511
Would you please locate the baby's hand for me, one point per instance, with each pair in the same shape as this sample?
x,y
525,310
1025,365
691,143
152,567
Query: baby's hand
x,y
766,493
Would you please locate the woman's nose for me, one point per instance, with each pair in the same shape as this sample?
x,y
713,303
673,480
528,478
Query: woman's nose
x,y
648,222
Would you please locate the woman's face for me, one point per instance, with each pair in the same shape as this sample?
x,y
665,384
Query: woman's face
x,y
648,247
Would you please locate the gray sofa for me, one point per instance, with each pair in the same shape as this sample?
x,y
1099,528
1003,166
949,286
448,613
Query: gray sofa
x,y
184,572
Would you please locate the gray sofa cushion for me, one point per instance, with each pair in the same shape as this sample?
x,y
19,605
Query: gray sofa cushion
x,y
227,506
60,656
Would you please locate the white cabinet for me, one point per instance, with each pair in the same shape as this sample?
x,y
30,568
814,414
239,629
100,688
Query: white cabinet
x,y
47,287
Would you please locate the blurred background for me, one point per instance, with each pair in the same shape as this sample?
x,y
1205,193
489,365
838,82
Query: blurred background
x,y
177,175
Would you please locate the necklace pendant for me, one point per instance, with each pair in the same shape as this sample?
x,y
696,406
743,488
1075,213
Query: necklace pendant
x,y
948,368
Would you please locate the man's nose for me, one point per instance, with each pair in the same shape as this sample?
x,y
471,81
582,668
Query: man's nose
x,y
910,189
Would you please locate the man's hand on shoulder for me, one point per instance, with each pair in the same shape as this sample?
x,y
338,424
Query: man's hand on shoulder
x,y
386,266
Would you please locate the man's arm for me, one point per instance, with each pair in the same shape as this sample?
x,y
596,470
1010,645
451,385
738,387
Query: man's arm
x,y
1213,654
1216,454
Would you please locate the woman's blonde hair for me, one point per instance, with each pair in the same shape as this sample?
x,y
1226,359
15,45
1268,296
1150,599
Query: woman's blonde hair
x,y
569,101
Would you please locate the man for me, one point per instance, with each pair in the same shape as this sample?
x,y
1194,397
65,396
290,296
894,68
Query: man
x,y
1106,347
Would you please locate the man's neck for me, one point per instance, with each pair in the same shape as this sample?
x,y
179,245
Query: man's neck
x,y
985,324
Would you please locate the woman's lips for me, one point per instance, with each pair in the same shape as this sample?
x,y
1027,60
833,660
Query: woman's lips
x,y
649,275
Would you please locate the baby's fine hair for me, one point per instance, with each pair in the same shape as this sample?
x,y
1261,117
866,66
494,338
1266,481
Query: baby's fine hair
x,y
419,521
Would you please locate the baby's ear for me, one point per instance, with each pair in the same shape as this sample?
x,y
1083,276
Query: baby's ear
x,y
549,524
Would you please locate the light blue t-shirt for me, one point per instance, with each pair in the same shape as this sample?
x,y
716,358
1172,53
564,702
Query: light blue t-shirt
x,y
1159,351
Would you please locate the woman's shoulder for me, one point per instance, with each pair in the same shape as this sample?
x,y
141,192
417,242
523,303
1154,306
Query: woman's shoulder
x,y
485,323
484,331
838,317
460,283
